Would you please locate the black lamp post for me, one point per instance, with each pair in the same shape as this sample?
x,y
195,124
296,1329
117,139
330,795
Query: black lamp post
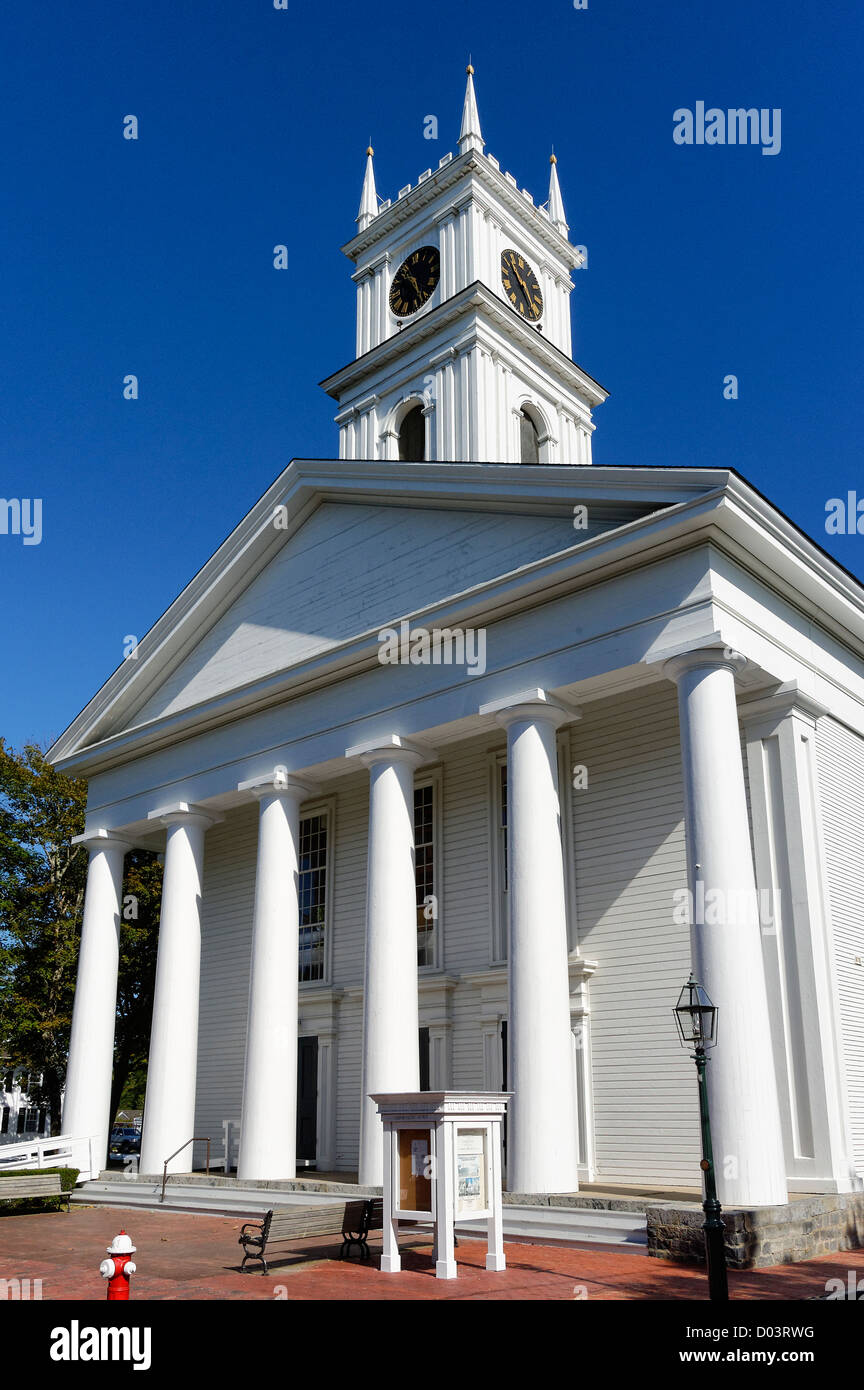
x,y
696,1017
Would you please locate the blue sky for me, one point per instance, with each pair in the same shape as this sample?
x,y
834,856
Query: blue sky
x,y
155,257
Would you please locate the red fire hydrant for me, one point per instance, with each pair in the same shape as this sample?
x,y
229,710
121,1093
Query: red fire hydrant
x,y
121,1265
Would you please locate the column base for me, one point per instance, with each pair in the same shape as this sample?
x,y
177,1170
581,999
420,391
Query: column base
x,y
391,1264
445,1269
496,1262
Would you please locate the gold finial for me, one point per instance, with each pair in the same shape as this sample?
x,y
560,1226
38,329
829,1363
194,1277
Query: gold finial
x,y
370,150
469,69
553,159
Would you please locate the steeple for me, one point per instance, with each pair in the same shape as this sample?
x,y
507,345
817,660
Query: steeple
x,y
369,196
470,136
463,347
556,202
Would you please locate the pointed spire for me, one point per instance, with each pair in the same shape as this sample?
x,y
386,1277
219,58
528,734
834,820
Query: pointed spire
x,y
470,136
369,196
556,202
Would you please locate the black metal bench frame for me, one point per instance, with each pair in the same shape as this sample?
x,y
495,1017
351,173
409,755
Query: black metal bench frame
x,y
370,1219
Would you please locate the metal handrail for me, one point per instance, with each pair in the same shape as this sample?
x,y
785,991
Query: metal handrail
x,y
196,1139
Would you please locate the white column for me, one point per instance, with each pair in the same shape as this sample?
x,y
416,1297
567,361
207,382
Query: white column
x,y
543,1143
87,1100
447,251
391,1260
372,430
463,427
359,280
169,1108
726,948
268,1129
391,1047
445,1170
383,306
430,447
476,360
566,324
448,406
495,1258
367,312
550,320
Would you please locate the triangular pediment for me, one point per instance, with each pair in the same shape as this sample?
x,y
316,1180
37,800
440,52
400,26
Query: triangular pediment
x,y
336,551
351,569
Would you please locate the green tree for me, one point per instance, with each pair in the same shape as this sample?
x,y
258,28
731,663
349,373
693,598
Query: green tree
x,y
142,894
42,881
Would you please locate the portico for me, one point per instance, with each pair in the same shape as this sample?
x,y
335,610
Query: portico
x,y
495,755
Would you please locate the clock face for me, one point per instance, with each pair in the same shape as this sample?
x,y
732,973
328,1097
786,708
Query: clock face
x,y
415,281
521,285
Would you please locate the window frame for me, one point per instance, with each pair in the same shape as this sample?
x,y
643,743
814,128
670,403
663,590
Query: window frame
x,y
326,807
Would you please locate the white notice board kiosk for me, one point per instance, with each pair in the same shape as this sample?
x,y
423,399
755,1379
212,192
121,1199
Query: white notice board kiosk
x,y
442,1161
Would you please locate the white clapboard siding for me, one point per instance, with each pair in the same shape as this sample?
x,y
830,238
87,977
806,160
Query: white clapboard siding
x,y
348,926
226,937
308,598
465,906
629,852
841,778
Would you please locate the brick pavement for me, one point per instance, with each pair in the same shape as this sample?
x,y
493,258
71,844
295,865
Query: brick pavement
x,y
184,1256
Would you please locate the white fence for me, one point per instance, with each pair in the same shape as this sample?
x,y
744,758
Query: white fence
x,y
62,1152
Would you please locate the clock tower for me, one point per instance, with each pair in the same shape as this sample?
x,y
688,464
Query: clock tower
x,y
463,320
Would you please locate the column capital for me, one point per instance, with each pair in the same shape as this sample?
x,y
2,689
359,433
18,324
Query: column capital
x,y
776,704
531,704
185,813
102,839
704,658
278,782
392,748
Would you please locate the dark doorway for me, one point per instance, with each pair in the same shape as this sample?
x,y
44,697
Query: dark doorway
x,y
412,436
307,1099
424,1059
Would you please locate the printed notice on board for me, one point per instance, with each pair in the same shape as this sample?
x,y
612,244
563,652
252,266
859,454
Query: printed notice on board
x,y
419,1155
471,1170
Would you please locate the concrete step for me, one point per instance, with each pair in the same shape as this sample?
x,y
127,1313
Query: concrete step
x,y
565,1224
192,1198
559,1224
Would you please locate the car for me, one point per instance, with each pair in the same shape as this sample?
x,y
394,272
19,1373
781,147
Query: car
x,y
125,1139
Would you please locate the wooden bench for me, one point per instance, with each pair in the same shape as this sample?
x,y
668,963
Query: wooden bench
x,y
283,1224
49,1185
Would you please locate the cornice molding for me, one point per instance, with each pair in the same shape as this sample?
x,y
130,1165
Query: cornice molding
x,y
478,299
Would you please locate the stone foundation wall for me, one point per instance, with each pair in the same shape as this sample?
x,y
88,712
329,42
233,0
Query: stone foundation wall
x,y
806,1227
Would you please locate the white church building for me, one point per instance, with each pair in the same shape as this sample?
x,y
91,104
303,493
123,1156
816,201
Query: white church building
x,y
462,751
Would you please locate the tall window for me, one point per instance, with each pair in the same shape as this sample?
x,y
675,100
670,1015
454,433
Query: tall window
x,y
529,438
313,896
412,436
424,872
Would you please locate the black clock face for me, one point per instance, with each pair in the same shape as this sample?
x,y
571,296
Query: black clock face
x,y
415,281
521,285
